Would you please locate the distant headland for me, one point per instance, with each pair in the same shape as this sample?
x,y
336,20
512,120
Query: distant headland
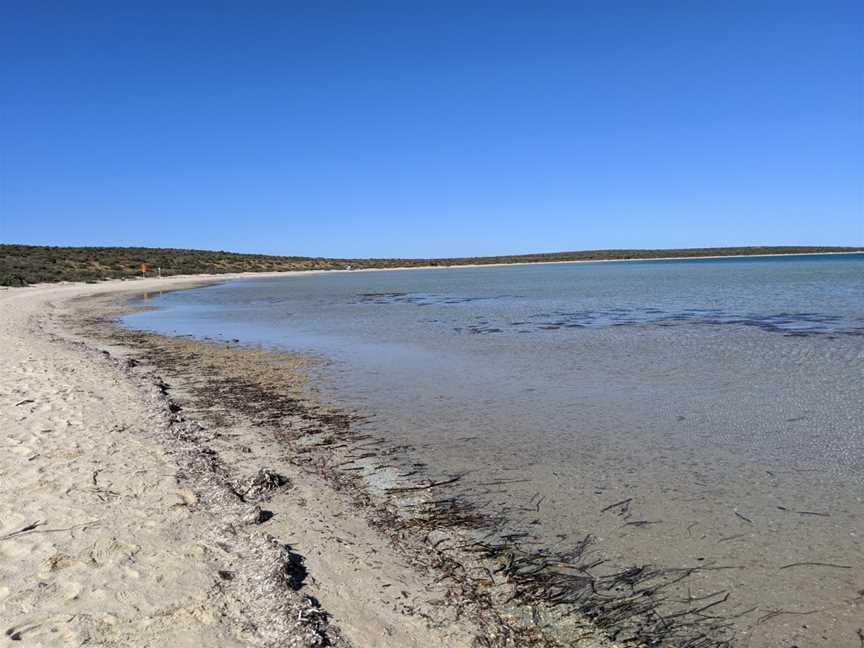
x,y
21,265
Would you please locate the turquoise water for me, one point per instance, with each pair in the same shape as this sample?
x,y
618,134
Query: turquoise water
x,y
724,396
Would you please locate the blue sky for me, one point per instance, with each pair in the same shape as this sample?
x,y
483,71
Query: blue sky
x,y
441,129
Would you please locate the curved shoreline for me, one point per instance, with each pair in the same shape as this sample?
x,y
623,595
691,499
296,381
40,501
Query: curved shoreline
x,y
509,589
671,539
191,281
217,549
471,537
248,386
457,588
447,544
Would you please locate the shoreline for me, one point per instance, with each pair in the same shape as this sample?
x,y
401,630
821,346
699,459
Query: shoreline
x,y
288,481
399,498
224,546
758,565
394,504
271,538
580,261
512,591
206,279
230,404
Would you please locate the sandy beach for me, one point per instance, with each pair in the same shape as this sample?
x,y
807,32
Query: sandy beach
x,y
150,496
431,326
123,523
187,492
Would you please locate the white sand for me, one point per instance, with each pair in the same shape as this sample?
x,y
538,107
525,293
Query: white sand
x,y
100,544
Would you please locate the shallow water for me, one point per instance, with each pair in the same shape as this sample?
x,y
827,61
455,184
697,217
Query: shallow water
x,y
724,396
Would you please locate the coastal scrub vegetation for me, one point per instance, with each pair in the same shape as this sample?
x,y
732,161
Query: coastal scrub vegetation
x,y
21,265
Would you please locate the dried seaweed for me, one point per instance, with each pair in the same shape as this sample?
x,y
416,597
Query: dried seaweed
x,y
635,606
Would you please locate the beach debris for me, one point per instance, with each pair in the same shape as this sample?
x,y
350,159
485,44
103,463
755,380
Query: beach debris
x,y
624,506
520,589
17,633
33,527
622,503
817,513
743,517
253,515
187,497
815,564
261,486
23,530
643,523
775,613
536,501
433,484
626,604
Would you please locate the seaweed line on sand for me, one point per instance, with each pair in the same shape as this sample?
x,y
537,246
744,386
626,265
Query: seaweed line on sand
x,y
258,597
520,595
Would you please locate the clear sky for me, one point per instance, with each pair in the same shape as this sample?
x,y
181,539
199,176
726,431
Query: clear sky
x,y
431,129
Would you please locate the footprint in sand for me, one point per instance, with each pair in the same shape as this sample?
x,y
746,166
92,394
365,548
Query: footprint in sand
x,y
43,595
110,551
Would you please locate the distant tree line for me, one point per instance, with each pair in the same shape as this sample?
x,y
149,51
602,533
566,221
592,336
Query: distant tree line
x,y
21,265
